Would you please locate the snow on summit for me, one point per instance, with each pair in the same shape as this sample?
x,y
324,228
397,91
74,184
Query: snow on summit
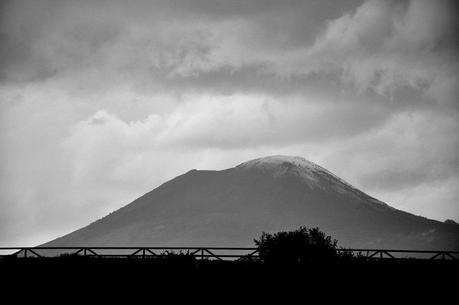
x,y
271,162
312,174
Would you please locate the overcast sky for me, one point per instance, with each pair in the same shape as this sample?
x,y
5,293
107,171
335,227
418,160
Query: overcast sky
x,y
102,101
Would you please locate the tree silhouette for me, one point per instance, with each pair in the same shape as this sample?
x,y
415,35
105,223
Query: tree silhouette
x,y
295,247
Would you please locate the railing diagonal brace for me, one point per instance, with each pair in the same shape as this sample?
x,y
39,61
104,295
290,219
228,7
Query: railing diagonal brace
x,y
151,252
374,254
452,256
79,251
388,254
94,253
137,251
35,253
213,254
195,252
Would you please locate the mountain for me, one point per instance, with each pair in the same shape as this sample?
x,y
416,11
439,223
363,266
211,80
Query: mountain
x,y
232,207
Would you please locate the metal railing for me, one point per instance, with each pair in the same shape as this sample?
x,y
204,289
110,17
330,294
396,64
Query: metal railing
x,y
212,253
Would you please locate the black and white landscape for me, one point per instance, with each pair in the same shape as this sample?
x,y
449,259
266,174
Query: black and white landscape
x,y
232,207
102,101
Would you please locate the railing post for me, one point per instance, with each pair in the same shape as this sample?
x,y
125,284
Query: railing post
x,y
25,252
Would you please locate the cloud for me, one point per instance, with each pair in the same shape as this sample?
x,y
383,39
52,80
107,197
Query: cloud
x,y
388,44
152,42
405,152
380,45
231,122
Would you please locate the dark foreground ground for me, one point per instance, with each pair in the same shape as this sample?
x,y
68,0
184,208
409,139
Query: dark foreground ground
x,y
114,278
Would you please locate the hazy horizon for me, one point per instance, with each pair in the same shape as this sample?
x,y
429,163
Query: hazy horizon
x,y
102,101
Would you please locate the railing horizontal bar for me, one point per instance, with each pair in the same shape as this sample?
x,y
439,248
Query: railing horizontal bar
x,y
220,248
127,248
158,255
240,253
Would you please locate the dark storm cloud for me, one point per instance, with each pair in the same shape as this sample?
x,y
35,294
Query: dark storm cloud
x,y
46,36
236,45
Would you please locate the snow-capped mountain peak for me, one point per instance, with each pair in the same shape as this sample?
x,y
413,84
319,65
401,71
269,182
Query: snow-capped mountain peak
x,y
312,174
272,162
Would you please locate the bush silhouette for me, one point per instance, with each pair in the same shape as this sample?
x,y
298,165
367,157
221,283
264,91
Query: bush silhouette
x,y
178,257
295,247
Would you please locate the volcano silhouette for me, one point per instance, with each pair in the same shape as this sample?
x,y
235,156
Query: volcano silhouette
x,y
232,207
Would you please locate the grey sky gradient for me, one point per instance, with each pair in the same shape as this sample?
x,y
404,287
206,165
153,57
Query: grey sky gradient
x,y
101,101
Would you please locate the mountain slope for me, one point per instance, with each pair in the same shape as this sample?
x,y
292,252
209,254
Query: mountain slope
x,y
233,206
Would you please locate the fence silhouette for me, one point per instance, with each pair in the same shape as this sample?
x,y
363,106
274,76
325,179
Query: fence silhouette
x,y
212,253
